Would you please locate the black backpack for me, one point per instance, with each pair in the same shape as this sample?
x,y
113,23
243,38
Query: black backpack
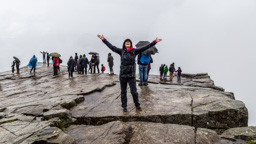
x,y
60,60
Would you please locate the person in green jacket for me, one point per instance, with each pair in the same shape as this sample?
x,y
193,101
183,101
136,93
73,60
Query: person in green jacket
x,y
165,72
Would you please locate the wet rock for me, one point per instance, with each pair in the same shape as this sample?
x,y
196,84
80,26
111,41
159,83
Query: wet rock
x,y
244,133
200,107
69,103
206,136
220,114
35,132
18,131
8,119
141,132
157,103
44,105
62,114
2,115
2,109
50,135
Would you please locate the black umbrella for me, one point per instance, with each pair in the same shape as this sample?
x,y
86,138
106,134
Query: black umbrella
x,y
92,53
150,51
16,59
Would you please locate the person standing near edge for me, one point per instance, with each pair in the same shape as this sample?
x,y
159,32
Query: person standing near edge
x,y
110,63
128,68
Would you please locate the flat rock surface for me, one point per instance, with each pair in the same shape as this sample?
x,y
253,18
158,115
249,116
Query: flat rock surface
x,y
37,107
141,133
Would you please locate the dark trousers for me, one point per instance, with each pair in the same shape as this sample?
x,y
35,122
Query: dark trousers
x,y
18,68
97,68
33,68
132,84
70,74
111,69
48,62
55,70
84,70
178,78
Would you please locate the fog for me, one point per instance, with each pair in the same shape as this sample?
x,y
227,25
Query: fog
x,y
213,36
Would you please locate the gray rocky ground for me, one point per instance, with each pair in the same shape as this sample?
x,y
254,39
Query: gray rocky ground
x,y
42,108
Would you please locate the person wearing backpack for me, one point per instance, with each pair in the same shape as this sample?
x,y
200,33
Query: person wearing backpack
x,y
171,70
179,71
128,68
165,70
102,68
56,64
143,61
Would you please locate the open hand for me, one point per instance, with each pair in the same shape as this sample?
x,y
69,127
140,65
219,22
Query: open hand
x,y
101,37
158,40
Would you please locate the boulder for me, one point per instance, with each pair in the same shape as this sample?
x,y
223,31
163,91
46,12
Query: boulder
x,y
38,108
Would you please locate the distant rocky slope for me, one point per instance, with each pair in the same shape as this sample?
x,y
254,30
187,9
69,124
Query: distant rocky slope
x,y
43,108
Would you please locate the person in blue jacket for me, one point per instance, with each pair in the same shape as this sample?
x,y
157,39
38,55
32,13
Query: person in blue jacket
x,y
128,68
33,63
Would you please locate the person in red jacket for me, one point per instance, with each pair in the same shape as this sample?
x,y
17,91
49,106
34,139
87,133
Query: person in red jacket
x,y
56,63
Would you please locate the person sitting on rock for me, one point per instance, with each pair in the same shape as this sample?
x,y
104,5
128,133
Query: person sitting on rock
x,y
128,68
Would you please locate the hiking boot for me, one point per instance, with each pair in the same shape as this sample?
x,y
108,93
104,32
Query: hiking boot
x,y
140,84
145,84
138,108
125,109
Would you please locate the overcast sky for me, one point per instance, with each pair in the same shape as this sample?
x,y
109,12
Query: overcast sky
x,y
214,36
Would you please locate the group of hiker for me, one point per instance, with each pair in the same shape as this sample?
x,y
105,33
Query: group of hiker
x,y
81,64
163,69
127,68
